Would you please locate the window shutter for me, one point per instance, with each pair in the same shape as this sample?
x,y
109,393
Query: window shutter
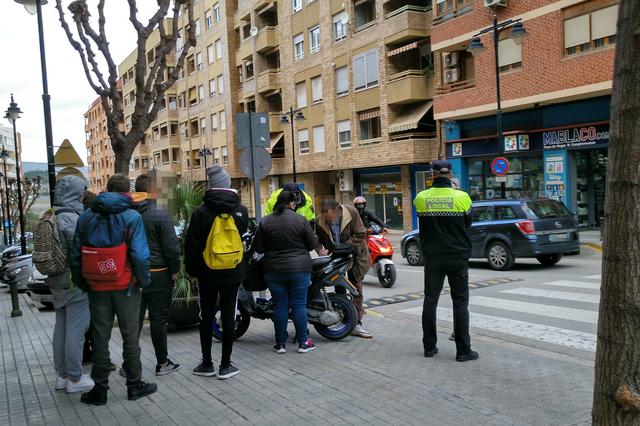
x,y
359,72
576,31
603,22
316,88
318,139
344,126
301,94
509,52
342,80
372,67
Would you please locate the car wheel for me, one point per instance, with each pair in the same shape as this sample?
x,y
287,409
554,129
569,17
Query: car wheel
x,y
549,259
499,256
413,254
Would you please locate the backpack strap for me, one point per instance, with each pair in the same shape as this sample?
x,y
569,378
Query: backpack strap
x,y
65,210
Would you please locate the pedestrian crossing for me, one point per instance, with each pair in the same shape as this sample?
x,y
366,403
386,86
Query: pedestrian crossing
x,y
571,304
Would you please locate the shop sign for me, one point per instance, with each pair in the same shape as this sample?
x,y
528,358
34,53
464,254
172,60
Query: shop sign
x,y
577,137
555,185
456,149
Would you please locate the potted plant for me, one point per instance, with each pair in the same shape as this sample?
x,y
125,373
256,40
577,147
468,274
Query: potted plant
x,y
184,308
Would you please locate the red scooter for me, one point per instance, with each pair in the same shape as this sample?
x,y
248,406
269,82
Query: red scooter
x,y
381,252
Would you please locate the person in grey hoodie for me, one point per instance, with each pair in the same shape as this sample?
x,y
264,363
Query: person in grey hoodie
x,y
71,304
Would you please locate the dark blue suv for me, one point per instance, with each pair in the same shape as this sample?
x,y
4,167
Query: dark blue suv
x,y
504,230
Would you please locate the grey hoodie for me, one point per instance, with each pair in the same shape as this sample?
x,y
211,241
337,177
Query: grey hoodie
x,y
69,191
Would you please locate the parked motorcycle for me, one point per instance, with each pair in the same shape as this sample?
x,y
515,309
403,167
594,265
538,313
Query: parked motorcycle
x,y
381,252
332,314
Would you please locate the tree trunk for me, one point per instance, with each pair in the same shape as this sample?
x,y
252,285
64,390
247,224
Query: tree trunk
x,y
617,374
121,163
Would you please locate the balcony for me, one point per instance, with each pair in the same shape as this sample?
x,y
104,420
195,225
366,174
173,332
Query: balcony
x,y
406,24
274,122
245,50
408,87
268,81
266,39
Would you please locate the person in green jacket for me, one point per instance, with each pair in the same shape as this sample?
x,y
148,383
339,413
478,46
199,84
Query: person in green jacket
x,y
304,202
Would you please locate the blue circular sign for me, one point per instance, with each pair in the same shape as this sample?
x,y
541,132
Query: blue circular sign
x,y
500,166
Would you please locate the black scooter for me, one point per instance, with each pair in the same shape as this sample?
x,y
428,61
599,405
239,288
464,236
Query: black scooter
x,y
332,313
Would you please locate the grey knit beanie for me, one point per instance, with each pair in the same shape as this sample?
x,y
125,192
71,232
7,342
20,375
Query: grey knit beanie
x,y
218,177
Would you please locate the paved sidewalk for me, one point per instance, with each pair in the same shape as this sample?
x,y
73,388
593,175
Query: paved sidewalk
x,y
385,380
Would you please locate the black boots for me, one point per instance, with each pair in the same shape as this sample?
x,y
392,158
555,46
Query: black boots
x,y
141,390
94,397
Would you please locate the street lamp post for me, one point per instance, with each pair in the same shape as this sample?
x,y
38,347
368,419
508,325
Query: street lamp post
x,y
4,155
12,114
46,99
205,152
288,117
4,223
518,33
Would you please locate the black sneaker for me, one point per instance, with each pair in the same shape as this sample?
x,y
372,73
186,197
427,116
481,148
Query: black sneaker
x,y
430,353
94,397
469,356
227,372
204,370
141,390
452,337
307,346
280,348
166,368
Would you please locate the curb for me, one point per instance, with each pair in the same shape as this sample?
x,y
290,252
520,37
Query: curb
x,y
594,246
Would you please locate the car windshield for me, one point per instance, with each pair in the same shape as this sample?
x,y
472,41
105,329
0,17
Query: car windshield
x,y
543,209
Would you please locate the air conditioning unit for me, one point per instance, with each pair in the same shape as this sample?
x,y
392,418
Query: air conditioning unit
x,y
451,59
345,180
451,75
492,3
274,184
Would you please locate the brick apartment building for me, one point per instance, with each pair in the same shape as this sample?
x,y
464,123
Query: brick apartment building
x,y
556,90
7,144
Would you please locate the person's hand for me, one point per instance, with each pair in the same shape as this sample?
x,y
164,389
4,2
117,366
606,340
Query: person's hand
x,y
174,277
385,230
322,251
369,231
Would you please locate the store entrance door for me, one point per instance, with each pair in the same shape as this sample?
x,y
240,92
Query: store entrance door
x,y
591,170
388,207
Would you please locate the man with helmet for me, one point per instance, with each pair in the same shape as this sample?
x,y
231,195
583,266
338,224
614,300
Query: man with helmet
x,y
360,203
304,202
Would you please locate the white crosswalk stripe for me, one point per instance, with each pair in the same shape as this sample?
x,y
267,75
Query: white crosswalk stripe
x,y
552,294
594,277
551,311
575,284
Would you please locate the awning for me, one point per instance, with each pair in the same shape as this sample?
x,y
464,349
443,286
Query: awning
x,y
402,49
411,118
275,138
369,114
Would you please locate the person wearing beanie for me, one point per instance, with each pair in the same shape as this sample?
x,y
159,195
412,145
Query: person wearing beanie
x,y
219,199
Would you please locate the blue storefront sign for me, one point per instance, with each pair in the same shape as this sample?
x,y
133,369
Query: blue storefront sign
x,y
576,137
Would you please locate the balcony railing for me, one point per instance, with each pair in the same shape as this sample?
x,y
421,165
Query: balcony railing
x,y
269,80
409,7
447,16
454,87
409,23
266,39
409,86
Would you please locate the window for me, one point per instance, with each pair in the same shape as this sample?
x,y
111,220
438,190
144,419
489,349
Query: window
x,y
301,94
179,41
165,156
195,155
240,74
248,66
303,141
505,213
365,69
216,12
218,44
172,102
175,155
194,128
173,128
210,54
342,81
590,31
314,40
298,47
225,155
344,133
212,88
318,139
197,28
365,12
316,89
223,120
340,25
482,214
449,6
296,5
369,124
216,156
182,100
199,61
208,18
136,164
509,55
203,125
201,93
221,84
214,122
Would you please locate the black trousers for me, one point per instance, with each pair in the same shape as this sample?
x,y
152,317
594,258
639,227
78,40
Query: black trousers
x,y
457,271
157,298
208,298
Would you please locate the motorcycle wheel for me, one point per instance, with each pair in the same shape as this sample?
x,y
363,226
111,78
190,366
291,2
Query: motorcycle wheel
x,y
387,276
347,310
243,319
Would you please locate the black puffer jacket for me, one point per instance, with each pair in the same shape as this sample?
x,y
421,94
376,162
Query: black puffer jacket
x,y
286,240
216,201
164,247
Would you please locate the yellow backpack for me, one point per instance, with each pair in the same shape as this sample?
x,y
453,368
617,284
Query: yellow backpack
x,y
224,248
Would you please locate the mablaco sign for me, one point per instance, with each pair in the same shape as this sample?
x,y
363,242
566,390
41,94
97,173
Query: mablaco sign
x,y
576,137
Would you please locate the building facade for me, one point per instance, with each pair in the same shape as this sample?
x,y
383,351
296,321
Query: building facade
x,y
7,144
555,95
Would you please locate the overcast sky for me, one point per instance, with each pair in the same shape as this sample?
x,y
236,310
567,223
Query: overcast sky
x,y
70,92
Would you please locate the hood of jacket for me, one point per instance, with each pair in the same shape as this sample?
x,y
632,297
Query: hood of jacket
x,y
222,200
69,191
140,201
111,202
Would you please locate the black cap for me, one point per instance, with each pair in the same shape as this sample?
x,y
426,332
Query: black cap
x,y
441,166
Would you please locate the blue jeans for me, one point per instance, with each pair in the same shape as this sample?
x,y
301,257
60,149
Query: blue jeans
x,y
289,291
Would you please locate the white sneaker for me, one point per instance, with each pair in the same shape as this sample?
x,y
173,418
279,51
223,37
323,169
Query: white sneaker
x,y
359,331
61,383
85,384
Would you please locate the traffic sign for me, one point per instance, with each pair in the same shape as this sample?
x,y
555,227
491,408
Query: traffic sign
x,y
500,166
262,162
251,125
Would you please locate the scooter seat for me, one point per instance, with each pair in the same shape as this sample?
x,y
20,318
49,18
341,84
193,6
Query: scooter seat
x,y
320,262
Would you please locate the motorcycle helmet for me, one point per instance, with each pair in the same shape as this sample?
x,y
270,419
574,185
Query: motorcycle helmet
x,y
360,203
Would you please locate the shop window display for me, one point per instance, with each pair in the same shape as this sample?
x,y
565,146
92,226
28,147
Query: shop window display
x,y
524,180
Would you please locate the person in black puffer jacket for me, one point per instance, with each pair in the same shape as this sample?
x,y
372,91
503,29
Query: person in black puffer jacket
x,y
285,238
211,283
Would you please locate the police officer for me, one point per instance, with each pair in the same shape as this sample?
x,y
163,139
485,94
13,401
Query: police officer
x,y
304,202
444,217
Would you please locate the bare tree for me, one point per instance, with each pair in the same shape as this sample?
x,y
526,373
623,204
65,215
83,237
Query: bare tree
x,y
30,192
151,85
617,376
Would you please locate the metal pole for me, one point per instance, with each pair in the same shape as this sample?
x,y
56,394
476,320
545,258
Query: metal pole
x,y
499,107
8,198
4,223
46,104
254,171
23,242
293,144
